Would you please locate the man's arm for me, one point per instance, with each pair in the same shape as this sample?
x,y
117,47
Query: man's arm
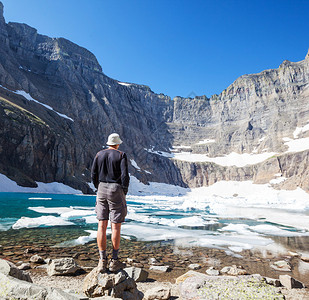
x,y
95,172
125,179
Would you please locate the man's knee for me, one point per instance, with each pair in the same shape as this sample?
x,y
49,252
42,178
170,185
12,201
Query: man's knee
x,y
102,224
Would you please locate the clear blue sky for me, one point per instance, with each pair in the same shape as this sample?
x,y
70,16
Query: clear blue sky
x,y
175,46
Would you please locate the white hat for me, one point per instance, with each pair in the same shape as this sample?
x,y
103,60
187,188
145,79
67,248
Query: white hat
x,y
114,139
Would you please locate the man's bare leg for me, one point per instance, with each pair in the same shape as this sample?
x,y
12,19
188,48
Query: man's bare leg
x,y
115,264
101,240
101,234
116,228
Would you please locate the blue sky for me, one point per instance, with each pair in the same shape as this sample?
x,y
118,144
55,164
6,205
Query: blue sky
x,y
177,47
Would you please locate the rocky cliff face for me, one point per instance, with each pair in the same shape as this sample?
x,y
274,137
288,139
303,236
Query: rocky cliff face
x,y
57,108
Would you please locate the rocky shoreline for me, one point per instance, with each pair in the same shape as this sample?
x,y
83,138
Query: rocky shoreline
x,y
165,265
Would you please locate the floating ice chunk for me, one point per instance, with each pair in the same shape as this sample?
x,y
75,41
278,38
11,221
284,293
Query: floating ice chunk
x,y
274,230
50,210
73,214
45,221
38,198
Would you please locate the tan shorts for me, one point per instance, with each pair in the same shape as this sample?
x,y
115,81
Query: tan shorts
x,y
111,202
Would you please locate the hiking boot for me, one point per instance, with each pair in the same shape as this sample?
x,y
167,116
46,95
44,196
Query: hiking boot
x,y
102,265
116,265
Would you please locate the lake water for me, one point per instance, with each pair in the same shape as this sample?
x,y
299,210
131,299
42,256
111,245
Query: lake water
x,y
70,220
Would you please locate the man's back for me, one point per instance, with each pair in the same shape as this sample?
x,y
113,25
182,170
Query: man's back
x,y
110,166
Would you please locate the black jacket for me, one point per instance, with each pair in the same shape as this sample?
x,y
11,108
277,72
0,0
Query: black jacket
x,y
111,166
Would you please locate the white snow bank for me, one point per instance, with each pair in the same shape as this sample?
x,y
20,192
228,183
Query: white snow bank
x,y
206,141
296,145
300,130
8,185
28,97
161,153
124,83
154,188
134,164
232,159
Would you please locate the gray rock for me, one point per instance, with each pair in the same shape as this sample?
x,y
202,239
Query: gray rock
x,y
117,285
153,261
200,286
42,267
194,266
281,265
159,269
48,260
158,293
233,270
224,270
62,266
137,274
24,266
212,272
130,260
13,288
273,281
290,282
37,259
8,268
304,257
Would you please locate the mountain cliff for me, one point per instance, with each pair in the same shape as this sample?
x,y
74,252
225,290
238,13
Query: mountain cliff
x,y
57,108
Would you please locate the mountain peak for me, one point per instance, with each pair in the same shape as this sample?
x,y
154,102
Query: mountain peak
x,y
307,56
1,13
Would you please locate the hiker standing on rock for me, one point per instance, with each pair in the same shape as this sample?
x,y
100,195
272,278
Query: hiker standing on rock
x,y
110,176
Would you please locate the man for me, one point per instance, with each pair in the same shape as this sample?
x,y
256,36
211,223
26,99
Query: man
x,y
110,176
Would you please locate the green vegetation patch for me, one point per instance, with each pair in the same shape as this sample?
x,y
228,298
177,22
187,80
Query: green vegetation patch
x,y
14,111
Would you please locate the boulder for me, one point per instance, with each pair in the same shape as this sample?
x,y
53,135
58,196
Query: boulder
x,y
233,270
273,281
281,265
117,285
62,266
194,266
153,261
137,274
13,288
24,266
304,257
200,287
290,282
159,269
158,293
224,270
189,283
8,268
37,259
212,272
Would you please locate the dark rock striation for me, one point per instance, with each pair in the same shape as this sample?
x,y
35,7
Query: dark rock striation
x,y
74,106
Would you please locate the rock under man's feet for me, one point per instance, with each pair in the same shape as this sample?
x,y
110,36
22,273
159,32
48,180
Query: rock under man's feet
x,y
116,265
102,265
